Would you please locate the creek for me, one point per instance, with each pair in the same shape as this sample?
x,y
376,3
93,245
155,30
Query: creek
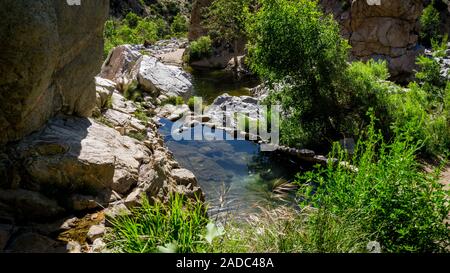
x,y
236,177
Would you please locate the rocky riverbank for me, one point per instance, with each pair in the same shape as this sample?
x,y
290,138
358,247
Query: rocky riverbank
x,y
75,150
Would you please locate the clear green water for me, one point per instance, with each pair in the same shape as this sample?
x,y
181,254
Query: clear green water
x,y
235,176
209,84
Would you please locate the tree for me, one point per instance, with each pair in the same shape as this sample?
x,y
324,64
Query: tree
x,y
179,25
225,22
295,43
429,23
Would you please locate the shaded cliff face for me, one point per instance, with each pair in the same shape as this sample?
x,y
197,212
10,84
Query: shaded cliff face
x,y
195,29
50,54
387,31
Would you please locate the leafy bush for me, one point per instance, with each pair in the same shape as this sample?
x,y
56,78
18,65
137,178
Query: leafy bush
x,y
174,100
429,22
431,118
179,26
202,48
396,203
137,30
141,114
295,43
132,20
179,226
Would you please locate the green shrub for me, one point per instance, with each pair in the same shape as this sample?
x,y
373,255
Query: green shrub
x,y
202,48
146,31
179,226
179,26
191,103
174,100
141,114
141,136
133,93
132,20
431,117
401,207
429,22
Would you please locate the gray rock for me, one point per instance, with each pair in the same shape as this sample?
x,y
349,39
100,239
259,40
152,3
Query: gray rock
x,y
35,243
184,177
121,104
30,205
121,64
95,232
5,234
114,211
73,247
158,78
83,202
77,153
98,246
50,54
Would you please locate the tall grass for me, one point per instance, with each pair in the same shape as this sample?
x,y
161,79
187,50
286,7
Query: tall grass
x,y
178,226
390,197
285,230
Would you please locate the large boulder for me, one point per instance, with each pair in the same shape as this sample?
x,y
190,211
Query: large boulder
x,y
158,78
81,155
386,31
225,107
120,64
51,52
29,204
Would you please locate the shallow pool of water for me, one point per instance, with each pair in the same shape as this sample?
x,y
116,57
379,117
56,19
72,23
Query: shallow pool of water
x,y
234,175
209,84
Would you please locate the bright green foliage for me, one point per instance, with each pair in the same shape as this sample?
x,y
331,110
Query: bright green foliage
x,y
137,30
178,226
132,20
294,42
401,207
429,22
174,100
119,33
179,26
225,20
202,48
